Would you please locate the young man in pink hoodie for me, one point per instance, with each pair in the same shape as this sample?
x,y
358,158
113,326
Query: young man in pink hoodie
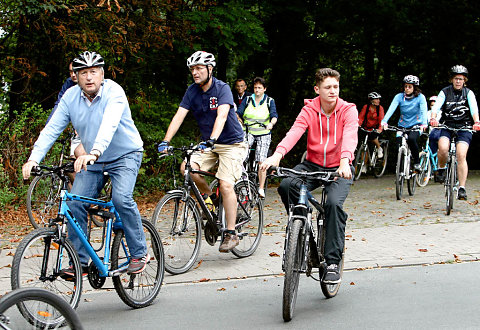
x,y
332,126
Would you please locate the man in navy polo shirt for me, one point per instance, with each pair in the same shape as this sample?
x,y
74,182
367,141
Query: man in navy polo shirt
x,y
211,103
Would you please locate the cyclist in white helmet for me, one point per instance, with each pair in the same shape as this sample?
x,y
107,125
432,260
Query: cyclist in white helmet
x,y
211,102
369,118
413,111
459,108
99,111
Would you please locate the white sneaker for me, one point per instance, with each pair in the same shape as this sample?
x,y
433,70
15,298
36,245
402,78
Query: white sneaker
x,y
261,192
380,152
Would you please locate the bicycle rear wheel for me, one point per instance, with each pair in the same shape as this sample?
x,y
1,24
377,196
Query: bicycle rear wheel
x,y
138,290
35,265
399,175
293,264
426,169
51,311
381,163
249,224
179,226
359,162
43,197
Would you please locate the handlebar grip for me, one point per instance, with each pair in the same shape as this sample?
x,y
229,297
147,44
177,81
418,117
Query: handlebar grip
x,y
271,169
36,171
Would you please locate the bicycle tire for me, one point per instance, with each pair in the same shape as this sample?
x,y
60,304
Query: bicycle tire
x,y
450,183
43,197
252,211
426,170
181,239
381,163
359,162
293,262
399,175
28,262
412,183
139,290
52,311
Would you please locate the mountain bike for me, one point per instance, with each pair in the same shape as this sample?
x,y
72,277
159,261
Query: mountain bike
x,y
365,160
304,248
178,220
43,194
45,309
44,252
428,164
451,180
403,169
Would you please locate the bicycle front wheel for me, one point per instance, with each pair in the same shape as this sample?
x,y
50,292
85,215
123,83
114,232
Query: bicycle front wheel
x,y
359,162
399,175
51,311
249,224
450,182
426,170
412,183
381,163
43,197
38,262
179,226
138,290
293,265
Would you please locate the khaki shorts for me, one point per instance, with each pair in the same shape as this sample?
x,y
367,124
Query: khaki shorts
x,y
230,159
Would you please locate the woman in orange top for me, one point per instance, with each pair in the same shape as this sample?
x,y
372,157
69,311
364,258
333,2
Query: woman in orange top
x,y
370,117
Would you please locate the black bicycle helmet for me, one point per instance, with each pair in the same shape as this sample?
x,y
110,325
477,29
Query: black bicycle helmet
x,y
459,69
411,80
87,60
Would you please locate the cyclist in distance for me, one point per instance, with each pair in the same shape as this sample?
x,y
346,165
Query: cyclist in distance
x,y
98,110
370,117
413,111
459,108
259,107
332,125
434,133
211,102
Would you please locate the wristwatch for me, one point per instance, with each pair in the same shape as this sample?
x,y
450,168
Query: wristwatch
x,y
95,153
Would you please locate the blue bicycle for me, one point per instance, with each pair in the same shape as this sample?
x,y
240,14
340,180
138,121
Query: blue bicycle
x,y
42,254
428,164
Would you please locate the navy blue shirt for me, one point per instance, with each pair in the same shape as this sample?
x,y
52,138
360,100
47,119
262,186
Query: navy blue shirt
x,y
66,85
204,107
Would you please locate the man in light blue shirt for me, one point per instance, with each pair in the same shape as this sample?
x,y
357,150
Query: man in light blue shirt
x,y
98,110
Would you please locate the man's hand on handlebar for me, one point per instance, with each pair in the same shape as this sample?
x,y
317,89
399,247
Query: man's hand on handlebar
x,y
273,160
384,126
82,162
344,170
433,122
27,168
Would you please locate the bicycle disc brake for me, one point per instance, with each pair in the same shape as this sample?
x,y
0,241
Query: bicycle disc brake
x,y
94,278
211,233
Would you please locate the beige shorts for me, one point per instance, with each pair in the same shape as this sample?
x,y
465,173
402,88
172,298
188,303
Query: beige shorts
x,y
230,159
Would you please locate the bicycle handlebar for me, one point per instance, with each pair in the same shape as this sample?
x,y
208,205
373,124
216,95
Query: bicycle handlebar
x,y
374,130
41,169
255,123
404,129
464,128
325,176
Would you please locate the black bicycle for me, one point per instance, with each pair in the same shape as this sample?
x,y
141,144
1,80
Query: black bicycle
x,y
46,310
366,159
178,218
304,248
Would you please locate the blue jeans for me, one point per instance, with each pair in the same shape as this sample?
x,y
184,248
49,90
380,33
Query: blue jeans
x,y
123,174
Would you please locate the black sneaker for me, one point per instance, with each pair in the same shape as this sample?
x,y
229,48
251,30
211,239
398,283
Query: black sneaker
x,y
332,274
462,194
69,275
441,174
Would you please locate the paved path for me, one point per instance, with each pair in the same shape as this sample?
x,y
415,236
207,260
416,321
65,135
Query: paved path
x,y
381,232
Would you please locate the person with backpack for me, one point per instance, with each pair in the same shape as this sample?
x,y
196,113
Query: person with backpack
x,y
259,108
370,117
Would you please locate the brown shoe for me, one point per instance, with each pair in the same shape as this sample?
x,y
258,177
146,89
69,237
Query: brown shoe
x,y
229,242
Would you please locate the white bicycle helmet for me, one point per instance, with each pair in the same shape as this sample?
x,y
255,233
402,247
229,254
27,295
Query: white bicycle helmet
x,y
411,80
374,95
201,58
433,98
459,69
87,60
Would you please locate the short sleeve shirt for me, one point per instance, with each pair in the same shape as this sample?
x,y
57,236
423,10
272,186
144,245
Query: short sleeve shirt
x,y
204,107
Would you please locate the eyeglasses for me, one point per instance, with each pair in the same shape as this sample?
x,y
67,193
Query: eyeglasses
x,y
458,79
197,68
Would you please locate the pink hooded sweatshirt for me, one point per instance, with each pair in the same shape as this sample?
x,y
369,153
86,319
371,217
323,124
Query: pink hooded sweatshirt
x,y
327,143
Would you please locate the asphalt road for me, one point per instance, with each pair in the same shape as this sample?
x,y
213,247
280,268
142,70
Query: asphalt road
x,y
415,297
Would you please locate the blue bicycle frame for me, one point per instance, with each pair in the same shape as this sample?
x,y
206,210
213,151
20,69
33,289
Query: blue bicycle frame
x,y
102,265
